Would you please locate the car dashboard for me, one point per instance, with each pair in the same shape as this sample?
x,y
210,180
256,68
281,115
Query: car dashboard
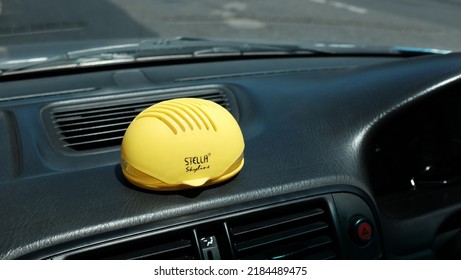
x,y
346,157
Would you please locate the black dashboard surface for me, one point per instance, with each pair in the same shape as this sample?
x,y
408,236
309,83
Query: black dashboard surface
x,y
311,126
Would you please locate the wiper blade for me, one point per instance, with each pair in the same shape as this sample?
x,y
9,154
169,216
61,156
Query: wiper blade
x,y
90,57
419,51
152,50
184,48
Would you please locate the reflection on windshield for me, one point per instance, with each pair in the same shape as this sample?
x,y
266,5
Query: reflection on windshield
x,y
417,23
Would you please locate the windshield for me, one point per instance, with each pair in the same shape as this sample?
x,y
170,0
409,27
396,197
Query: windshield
x,y
31,28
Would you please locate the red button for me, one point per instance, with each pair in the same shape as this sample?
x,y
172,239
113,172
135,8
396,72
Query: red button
x,y
361,230
364,231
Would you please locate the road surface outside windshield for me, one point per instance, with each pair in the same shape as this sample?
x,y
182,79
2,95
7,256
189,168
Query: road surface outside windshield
x,y
419,23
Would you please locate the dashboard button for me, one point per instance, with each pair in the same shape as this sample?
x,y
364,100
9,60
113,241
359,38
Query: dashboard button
x,y
362,230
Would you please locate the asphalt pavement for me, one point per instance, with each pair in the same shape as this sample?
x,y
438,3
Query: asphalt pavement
x,y
418,23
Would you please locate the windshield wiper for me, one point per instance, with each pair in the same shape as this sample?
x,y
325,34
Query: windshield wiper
x,y
152,50
184,48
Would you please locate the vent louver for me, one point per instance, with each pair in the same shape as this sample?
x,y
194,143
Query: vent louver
x,y
291,232
148,248
101,123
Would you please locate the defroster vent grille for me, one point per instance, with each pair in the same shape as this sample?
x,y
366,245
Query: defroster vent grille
x,y
90,124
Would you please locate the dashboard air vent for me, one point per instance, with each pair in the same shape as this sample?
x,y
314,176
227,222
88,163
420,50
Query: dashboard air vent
x,y
163,247
101,123
291,232
300,229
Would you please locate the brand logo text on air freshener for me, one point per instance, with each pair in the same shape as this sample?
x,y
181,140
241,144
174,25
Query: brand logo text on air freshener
x,y
197,163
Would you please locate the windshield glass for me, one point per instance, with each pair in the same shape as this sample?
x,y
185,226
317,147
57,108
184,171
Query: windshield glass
x,y
31,28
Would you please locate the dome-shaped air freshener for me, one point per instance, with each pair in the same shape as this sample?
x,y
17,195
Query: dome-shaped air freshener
x,y
182,143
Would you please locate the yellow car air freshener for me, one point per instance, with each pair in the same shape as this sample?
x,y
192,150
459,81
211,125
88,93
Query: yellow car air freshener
x,y
182,143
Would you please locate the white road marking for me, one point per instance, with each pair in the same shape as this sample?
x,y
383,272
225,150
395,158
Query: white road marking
x,y
351,8
319,1
236,6
341,5
229,13
245,23
223,13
